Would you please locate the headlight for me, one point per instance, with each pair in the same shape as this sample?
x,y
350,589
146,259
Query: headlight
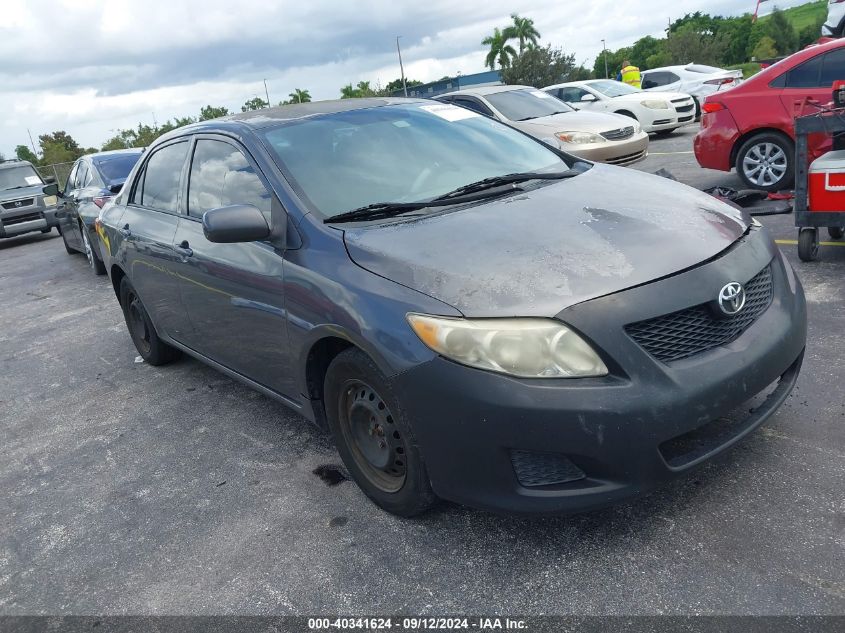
x,y
50,201
579,138
655,105
527,348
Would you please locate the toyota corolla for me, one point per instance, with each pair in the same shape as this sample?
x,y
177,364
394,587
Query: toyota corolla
x,y
474,315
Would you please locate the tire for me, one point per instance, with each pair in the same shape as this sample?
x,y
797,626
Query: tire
x,y
835,232
70,251
808,245
373,436
141,329
697,109
94,260
47,230
767,161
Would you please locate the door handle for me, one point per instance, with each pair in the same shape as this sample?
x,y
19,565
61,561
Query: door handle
x,y
125,232
184,249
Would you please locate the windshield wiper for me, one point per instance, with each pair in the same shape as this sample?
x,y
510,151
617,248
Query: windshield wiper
x,y
18,187
509,179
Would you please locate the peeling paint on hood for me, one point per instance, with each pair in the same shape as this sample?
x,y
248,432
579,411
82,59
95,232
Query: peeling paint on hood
x,y
538,252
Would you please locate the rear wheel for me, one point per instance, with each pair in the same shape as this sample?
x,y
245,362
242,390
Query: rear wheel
x,y
835,233
766,161
373,437
149,345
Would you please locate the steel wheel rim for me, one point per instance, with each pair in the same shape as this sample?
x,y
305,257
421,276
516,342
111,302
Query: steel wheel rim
x,y
765,164
370,432
138,324
88,252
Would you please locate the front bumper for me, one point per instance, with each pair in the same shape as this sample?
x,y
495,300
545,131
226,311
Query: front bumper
x,y
29,220
671,119
616,430
621,153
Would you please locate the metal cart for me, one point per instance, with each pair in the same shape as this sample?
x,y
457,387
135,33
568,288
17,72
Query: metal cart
x,y
809,222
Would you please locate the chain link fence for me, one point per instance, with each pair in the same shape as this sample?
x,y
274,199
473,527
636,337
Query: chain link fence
x,y
59,171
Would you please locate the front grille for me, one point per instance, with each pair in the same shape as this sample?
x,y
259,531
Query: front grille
x,y
627,159
687,108
684,100
26,217
18,204
695,330
534,470
619,135
662,121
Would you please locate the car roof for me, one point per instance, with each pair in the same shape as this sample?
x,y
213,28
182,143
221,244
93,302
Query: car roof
x,y
775,70
8,164
482,91
116,152
576,83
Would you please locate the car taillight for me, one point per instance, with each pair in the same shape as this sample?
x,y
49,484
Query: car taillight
x,y
100,201
724,80
710,108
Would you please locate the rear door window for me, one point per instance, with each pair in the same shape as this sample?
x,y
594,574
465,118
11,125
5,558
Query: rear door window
x,y
222,176
807,75
833,67
157,186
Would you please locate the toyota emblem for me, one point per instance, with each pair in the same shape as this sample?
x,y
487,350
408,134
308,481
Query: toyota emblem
x,y
732,298
18,203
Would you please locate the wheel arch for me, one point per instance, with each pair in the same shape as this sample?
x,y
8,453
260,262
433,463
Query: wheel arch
x,y
318,358
627,113
116,274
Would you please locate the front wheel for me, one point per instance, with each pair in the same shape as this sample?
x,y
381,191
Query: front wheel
x,y
766,161
151,348
373,437
808,245
93,259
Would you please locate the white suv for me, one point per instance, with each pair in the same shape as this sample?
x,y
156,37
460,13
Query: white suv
x,y
835,24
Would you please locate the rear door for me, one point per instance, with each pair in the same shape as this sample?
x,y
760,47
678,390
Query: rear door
x,y
67,206
812,79
146,231
233,293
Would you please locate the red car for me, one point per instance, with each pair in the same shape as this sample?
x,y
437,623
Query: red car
x,y
751,127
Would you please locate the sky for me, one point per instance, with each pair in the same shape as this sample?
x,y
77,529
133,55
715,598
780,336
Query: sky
x,y
91,67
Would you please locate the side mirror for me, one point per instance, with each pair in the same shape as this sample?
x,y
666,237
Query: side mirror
x,y
50,180
51,190
116,188
588,98
238,223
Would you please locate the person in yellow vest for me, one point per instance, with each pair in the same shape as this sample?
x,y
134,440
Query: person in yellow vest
x,y
631,75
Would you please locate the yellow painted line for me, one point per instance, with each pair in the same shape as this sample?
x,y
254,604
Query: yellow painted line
x,y
795,243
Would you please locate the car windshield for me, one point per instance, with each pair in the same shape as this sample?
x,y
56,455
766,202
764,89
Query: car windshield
x,y
401,153
613,89
706,70
116,168
17,177
523,105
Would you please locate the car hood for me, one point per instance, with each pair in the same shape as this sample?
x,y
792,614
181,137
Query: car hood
x,y
580,121
24,192
538,252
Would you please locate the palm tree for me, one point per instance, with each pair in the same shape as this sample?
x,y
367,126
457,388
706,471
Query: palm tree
x,y
500,50
523,30
300,96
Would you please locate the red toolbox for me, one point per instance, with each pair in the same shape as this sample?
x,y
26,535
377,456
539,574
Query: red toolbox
x,y
827,183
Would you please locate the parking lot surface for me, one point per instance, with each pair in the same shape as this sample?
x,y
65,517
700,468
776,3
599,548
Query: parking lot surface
x,y
130,489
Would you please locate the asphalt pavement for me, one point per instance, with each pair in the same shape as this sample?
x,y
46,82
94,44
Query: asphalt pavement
x,y
130,489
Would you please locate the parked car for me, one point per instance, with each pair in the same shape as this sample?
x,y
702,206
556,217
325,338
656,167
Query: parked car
x,y
93,181
752,127
697,80
607,138
23,206
475,315
835,24
661,112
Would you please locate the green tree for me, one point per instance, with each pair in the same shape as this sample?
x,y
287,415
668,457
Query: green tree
x,y
22,152
614,62
646,48
688,44
765,49
59,147
500,51
780,29
256,103
212,112
300,96
522,30
539,67
349,92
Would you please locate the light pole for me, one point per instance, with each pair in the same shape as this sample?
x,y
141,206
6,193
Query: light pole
x,y
401,67
604,48
266,93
